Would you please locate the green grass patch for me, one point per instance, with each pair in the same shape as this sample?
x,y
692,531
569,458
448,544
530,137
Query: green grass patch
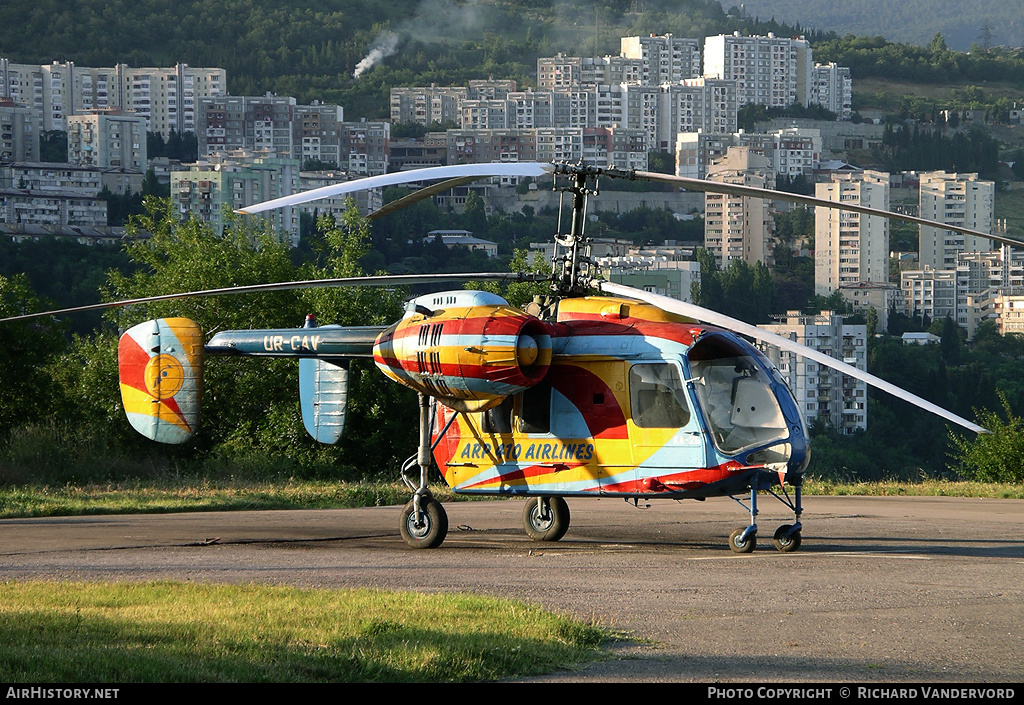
x,y
923,488
183,632
166,496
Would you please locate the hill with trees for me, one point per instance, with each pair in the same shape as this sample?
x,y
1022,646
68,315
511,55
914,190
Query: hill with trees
x,y
909,21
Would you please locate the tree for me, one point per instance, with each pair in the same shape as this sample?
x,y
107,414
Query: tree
x,y
995,457
53,146
26,390
250,408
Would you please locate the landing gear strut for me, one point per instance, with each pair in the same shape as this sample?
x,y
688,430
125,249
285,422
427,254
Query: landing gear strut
x,y
787,536
424,522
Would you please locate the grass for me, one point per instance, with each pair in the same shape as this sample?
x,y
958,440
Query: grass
x,y
138,497
869,90
922,488
164,496
182,632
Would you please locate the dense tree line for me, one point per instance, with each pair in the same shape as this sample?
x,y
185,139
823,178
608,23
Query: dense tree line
x,y
930,150
935,63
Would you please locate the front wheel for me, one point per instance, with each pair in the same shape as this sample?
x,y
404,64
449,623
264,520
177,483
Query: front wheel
x,y
430,531
546,518
740,545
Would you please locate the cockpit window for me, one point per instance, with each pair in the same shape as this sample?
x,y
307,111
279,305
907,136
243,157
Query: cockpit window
x,y
734,392
657,397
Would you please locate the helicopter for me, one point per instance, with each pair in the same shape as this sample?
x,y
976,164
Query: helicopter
x,y
598,390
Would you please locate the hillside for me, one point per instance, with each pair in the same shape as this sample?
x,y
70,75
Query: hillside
x,y
311,49
911,21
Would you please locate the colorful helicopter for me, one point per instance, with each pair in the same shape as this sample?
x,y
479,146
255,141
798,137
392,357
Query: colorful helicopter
x,y
600,390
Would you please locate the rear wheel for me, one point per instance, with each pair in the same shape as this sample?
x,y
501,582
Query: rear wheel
x,y
430,530
546,518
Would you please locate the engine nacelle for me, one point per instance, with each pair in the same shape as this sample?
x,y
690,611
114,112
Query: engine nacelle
x,y
467,349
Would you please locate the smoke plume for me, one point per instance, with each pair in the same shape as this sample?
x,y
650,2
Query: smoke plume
x,y
383,46
434,21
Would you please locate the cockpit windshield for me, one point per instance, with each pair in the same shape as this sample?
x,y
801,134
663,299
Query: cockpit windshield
x,y
735,393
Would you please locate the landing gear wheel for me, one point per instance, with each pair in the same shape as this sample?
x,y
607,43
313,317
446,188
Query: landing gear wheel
x,y
784,543
432,529
738,545
546,523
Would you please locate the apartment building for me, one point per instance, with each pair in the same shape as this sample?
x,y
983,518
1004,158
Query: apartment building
x,y
849,247
168,98
562,71
273,125
737,227
251,123
956,199
20,128
364,147
425,105
367,200
664,59
791,152
832,89
165,97
695,105
210,190
315,132
966,292
108,140
600,146
1009,314
770,71
821,392
51,208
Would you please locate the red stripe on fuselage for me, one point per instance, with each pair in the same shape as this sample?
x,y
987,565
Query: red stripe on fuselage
x,y
580,386
681,480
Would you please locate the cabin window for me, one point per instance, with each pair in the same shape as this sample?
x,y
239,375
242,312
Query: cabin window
x,y
535,409
735,394
657,397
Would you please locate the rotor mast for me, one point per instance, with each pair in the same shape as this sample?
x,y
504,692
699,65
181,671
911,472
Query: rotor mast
x,y
571,263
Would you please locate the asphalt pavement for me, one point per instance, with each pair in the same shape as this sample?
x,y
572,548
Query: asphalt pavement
x,y
882,590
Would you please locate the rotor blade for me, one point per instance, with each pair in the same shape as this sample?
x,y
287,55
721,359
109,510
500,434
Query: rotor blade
x,y
387,280
417,196
702,314
753,192
479,171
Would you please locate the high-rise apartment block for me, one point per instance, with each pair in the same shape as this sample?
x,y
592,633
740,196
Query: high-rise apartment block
x,y
257,124
791,152
664,59
769,71
736,227
209,190
20,128
956,199
822,392
166,97
568,71
832,89
108,140
273,125
850,247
